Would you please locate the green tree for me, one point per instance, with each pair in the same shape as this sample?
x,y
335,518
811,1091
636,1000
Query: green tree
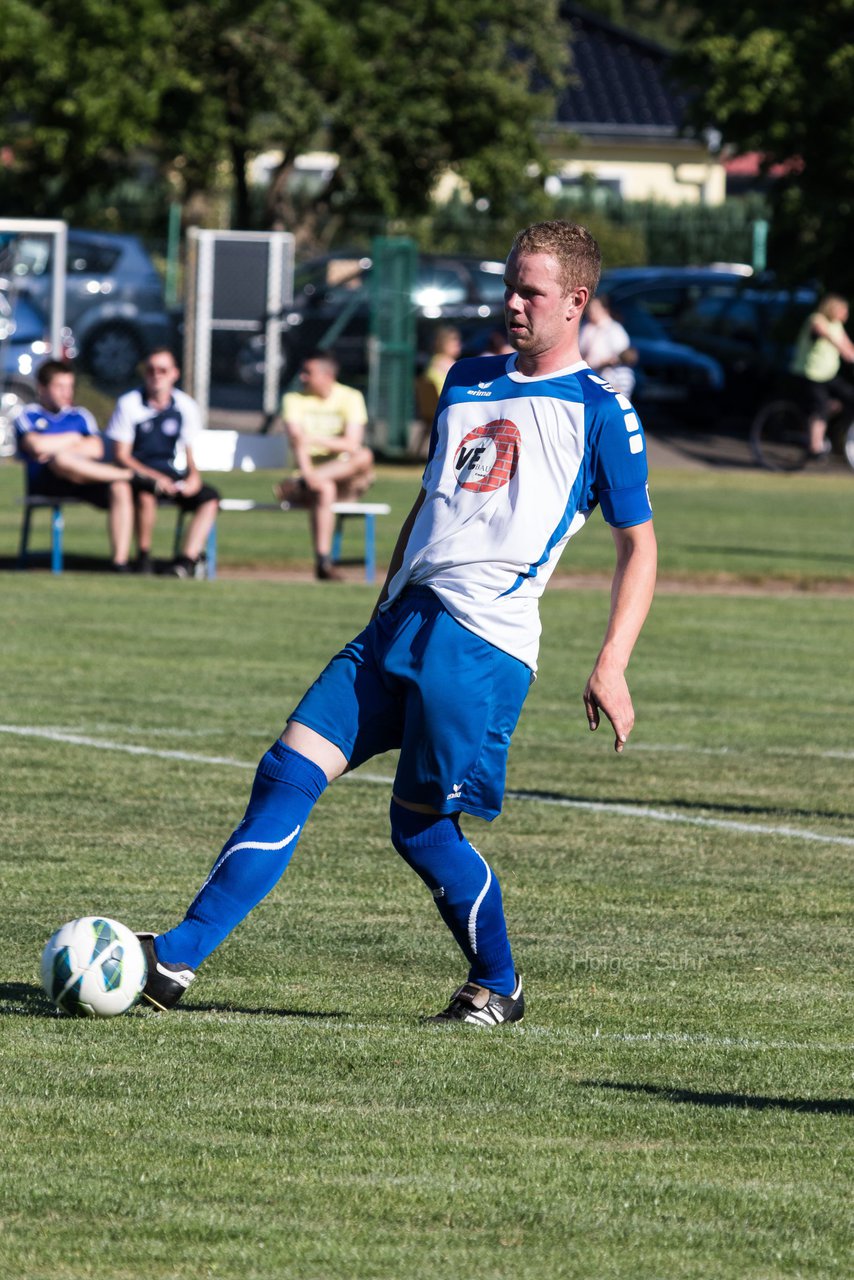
x,y
779,80
402,94
81,92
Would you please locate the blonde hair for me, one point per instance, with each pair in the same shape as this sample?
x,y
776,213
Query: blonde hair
x,y
573,248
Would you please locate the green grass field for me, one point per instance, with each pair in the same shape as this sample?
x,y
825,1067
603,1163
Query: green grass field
x,y
679,1099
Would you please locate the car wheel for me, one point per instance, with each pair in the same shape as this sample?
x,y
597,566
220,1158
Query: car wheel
x,y
112,354
251,359
13,397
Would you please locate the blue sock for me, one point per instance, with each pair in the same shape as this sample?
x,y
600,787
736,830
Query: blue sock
x,y
286,787
464,888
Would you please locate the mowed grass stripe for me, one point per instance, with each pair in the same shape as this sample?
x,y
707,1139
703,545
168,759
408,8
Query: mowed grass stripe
x,y
591,806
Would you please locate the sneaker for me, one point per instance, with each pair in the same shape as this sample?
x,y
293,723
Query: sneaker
x,y
325,571
485,1008
182,567
165,983
144,564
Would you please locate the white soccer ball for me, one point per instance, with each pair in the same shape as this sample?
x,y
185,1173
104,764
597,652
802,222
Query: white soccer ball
x,y
93,967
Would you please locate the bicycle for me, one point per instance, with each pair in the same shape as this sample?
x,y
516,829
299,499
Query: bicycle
x,y
779,434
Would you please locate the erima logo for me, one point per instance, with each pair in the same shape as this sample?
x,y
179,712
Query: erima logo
x,y
478,393
484,385
455,792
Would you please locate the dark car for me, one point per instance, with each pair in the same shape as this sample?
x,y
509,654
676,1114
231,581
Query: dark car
x,y
667,292
114,299
752,334
332,306
669,373
24,345
744,322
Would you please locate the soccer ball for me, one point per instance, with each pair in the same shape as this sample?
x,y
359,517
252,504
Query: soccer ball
x,y
93,968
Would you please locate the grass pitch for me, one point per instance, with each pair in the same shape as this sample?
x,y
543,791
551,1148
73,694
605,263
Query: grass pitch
x,y
679,1100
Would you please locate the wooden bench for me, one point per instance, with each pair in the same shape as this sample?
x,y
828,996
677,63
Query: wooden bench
x,y
220,451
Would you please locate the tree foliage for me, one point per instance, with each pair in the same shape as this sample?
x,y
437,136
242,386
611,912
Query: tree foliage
x,y
779,80
402,94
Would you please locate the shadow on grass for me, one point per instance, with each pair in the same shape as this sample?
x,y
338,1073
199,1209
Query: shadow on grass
x,y
39,562
696,807
24,999
260,1011
742,1101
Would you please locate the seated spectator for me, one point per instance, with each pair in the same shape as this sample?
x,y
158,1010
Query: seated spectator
x,y
497,344
154,429
66,456
325,422
607,347
447,348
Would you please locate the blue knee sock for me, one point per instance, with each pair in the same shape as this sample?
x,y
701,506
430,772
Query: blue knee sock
x,y
465,890
286,787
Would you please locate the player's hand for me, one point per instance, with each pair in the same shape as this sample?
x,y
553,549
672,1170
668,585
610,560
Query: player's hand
x,y
606,691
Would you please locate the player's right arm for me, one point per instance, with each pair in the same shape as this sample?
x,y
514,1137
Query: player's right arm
x,y
399,550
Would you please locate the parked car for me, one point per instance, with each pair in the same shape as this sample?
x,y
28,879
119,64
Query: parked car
x,y
669,373
666,293
24,345
744,322
752,334
114,299
332,296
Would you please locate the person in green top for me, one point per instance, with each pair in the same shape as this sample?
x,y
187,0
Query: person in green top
x,y
821,346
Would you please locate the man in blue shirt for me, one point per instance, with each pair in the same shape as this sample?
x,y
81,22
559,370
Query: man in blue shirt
x,y
66,456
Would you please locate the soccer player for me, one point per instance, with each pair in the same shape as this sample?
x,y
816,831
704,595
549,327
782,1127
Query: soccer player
x,y
524,448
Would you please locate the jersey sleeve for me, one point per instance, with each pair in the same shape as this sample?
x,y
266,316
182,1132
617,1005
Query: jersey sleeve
x,y
90,426
191,421
121,426
620,476
357,410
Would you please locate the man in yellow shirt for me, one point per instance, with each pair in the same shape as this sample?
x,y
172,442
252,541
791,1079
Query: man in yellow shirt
x,y
325,422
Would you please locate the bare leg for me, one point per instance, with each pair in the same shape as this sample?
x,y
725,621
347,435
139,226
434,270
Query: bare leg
x,y
321,518
121,520
84,464
200,526
316,748
818,432
146,517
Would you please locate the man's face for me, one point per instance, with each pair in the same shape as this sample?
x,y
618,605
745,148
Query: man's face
x,y
317,377
536,311
161,374
59,392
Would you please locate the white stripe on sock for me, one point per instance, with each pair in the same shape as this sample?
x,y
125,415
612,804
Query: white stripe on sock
x,y
478,900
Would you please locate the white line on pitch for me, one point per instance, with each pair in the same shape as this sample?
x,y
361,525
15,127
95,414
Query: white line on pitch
x,y
590,806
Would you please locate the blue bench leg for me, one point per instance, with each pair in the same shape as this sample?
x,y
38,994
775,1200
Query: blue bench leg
x,y
370,551
210,550
57,527
336,539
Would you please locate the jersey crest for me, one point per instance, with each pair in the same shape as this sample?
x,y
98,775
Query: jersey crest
x,y
487,458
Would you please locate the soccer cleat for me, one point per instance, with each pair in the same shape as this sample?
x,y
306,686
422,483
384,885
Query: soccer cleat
x,y
165,983
482,1007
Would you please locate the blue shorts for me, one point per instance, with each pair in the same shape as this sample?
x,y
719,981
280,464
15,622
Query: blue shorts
x,y
417,680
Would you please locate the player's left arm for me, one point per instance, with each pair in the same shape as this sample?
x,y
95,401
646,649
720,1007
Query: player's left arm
x,y
632,590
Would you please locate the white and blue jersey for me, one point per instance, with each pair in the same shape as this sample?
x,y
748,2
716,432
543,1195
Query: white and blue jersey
x,y
516,466
35,419
159,438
